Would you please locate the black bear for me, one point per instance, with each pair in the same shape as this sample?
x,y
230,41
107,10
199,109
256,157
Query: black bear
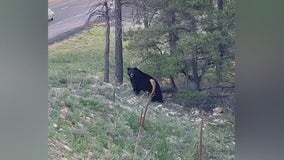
x,y
143,82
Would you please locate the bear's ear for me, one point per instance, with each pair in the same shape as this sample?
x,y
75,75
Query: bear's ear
x,y
128,68
136,68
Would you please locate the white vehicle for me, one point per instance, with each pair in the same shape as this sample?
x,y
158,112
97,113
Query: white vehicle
x,y
50,15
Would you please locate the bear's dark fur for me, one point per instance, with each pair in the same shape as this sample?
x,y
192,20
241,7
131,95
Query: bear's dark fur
x,y
141,82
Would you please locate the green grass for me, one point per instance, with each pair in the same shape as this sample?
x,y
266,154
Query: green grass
x,y
95,127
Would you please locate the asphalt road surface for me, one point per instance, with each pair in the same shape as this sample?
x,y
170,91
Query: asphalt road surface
x,y
70,15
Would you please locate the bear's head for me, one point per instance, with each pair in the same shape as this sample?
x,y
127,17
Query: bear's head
x,y
132,71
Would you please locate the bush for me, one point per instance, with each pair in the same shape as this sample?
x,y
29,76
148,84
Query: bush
x,y
190,99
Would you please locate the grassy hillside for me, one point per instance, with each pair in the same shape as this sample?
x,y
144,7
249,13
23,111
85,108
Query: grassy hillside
x,y
86,120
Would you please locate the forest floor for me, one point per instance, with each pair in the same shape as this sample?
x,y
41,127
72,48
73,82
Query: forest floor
x,y
88,121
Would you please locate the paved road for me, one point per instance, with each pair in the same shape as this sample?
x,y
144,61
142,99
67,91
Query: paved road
x,y
69,15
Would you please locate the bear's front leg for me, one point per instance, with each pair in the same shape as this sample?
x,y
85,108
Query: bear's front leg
x,y
136,91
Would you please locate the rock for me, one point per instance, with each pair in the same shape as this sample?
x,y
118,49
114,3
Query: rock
x,y
88,120
195,112
55,125
217,111
92,115
67,148
126,155
63,112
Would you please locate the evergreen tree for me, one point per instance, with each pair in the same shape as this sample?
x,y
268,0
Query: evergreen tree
x,y
190,36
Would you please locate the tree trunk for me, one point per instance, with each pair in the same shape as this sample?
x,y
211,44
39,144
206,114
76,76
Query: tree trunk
x,y
221,47
220,4
172,41
173,84
118,43
145,15
196,78
170,20
219,62
107,44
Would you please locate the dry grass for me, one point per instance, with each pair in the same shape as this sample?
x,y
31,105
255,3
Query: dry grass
x,y
85,122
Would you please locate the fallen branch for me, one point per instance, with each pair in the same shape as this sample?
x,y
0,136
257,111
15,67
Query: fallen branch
x,y
142,117
200,147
